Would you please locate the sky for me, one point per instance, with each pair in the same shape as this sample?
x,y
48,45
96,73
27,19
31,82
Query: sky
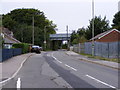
x,y
74,13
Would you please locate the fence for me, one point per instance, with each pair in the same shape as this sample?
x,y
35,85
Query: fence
x,y
8,53
107,50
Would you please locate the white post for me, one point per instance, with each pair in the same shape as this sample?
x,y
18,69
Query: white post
x,y
93,27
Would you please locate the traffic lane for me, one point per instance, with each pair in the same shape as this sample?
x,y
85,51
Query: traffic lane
x,y
31,75
95,82
102,73
73,80
72,60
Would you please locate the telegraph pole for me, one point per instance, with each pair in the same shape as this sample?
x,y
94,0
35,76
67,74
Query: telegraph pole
x,y
33,30
93,27
45,38
67,38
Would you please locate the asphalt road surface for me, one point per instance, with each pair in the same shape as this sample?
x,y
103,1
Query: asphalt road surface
x,y
58,70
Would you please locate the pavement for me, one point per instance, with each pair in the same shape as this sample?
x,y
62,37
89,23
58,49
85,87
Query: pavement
x,y
96,61
11,66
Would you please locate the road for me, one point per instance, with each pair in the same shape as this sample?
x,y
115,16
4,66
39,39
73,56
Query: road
x,y
58,70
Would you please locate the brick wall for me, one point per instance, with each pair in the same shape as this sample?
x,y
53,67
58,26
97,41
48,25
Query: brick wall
x,y
111,37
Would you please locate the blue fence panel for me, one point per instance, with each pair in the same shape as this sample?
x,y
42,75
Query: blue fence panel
x,y
102,49
113,50
8,53
88,48
17,51
98,49
0,55
119,50
105,50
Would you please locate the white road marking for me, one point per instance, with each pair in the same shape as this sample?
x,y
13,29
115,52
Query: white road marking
x,y
56,59
18,83
100,81
71,67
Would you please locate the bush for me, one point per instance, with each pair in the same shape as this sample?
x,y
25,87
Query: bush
x,y
64,46
24,46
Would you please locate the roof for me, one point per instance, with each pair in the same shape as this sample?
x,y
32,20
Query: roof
x,y
10,40
99,36
8,36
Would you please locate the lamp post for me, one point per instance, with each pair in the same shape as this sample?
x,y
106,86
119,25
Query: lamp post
x,y
33,30
67,38
45,38
93,27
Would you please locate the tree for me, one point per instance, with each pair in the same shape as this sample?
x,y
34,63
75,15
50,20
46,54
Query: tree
x,y
79,36
74,37
100,26
20,22
116,21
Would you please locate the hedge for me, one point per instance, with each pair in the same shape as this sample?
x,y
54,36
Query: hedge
x,y
24,46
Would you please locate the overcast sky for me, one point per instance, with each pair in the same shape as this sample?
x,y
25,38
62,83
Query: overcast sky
x,y
74,13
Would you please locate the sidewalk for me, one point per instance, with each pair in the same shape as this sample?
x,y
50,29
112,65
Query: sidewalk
x,y
96,61
12,65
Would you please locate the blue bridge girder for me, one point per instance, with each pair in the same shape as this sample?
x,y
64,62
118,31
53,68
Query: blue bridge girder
x,y
62,37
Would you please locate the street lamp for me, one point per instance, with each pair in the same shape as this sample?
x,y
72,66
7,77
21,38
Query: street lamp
x,y
93,27
45,38
67,38
33,30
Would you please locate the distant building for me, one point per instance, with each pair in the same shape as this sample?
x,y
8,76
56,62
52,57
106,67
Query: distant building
x,y
8,38
108,36
119,6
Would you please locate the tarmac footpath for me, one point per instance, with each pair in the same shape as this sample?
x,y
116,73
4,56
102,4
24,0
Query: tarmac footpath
x,y
10,67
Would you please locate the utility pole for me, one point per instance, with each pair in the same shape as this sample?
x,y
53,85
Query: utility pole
x,y
33,30
67,38
93,27
45,38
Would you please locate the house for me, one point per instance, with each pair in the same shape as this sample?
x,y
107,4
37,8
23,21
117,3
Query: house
x,y
108,36
8,38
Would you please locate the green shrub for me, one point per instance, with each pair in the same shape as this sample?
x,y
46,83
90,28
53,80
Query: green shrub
x,y
64,46
24,46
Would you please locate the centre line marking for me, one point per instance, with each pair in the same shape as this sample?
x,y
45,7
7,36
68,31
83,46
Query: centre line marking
x,y
71,67
18,84
100,81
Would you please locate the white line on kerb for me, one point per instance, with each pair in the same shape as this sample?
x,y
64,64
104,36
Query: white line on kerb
x,y
100,81
71,67
18,84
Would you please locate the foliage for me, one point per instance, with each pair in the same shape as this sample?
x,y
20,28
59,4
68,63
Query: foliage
x,y
100,26
64,46
79,36
84,34
116,21
20,21
24,46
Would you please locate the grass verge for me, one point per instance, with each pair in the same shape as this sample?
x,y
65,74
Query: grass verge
x,y
101,58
